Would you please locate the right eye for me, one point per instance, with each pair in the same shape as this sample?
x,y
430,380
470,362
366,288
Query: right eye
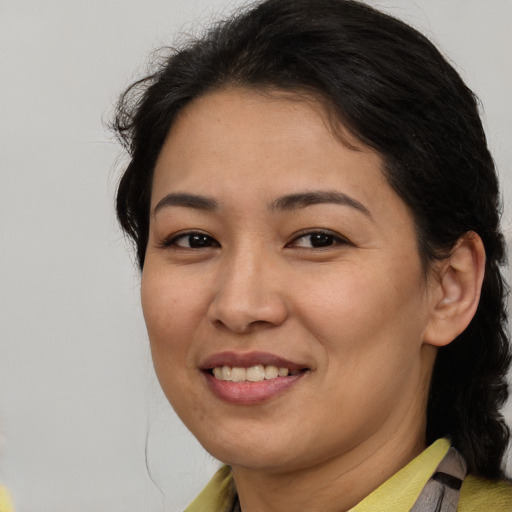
x,y
192,240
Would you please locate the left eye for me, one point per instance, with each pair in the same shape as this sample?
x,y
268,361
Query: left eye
x,y
317,240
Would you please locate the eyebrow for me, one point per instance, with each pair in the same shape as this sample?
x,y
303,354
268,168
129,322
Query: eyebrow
x,y
187,201
285,203
302,200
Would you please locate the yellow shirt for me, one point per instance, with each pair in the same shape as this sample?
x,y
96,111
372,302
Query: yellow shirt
x,y
397,494
5,501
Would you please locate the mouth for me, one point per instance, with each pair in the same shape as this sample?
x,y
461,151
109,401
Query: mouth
x,y
251,378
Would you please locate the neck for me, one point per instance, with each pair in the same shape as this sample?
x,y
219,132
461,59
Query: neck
x,y
333,485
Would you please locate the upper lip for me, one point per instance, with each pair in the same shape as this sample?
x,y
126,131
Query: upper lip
x,y
248,359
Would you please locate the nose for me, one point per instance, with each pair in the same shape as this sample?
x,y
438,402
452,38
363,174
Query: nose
x,y
248,294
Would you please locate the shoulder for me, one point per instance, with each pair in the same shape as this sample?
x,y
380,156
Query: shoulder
x,y
218,496
479,494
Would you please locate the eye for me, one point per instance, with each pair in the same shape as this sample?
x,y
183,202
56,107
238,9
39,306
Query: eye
x,y
317,240
192,240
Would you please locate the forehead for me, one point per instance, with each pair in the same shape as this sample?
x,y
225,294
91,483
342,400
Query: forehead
x,y
232,141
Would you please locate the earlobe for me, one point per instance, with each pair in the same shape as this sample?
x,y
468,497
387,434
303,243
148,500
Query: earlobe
x,y
458,286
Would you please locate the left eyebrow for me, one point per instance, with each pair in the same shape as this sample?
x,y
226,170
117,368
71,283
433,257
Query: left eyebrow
x,y
304,199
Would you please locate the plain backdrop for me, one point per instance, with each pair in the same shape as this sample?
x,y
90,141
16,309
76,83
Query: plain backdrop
x,y
83,423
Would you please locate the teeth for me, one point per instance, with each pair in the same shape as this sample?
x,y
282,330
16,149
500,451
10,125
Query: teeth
x,y
226,373
238,374
271,372
256,373
283,372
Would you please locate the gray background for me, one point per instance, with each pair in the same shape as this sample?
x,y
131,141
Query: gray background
x,y
78,399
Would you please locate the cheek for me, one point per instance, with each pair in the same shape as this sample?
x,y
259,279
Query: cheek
x,y
169,299
171,312
368,316
370,332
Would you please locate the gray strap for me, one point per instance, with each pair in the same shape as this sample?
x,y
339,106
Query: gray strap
x,y
442,491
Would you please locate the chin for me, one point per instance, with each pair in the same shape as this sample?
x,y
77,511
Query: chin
x,y
258,460
249,450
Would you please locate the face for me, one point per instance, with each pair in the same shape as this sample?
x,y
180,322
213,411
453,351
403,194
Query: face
x,y
282,288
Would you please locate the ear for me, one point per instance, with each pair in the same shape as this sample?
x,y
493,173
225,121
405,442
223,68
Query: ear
x,y
455,290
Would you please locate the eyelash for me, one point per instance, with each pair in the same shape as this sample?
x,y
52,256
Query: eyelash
x,y
332,237
335,238
171,241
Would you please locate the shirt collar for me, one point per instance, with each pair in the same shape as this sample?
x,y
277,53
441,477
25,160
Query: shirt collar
x,y
398,493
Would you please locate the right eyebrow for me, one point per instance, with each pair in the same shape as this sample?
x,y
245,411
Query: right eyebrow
x,y
186,200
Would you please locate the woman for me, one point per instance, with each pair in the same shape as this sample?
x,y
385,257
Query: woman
x,y
316,216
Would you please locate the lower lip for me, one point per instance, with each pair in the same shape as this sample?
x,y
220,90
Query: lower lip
x,y
250,393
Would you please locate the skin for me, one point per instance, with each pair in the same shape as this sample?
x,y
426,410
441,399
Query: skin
x,y
358,312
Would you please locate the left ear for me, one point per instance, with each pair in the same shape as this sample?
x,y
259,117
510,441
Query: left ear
x,y
455,290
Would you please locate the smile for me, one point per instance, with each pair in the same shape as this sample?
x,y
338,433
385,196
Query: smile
x,y
251,378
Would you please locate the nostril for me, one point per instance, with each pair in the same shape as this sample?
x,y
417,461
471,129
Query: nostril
x,y
241,325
